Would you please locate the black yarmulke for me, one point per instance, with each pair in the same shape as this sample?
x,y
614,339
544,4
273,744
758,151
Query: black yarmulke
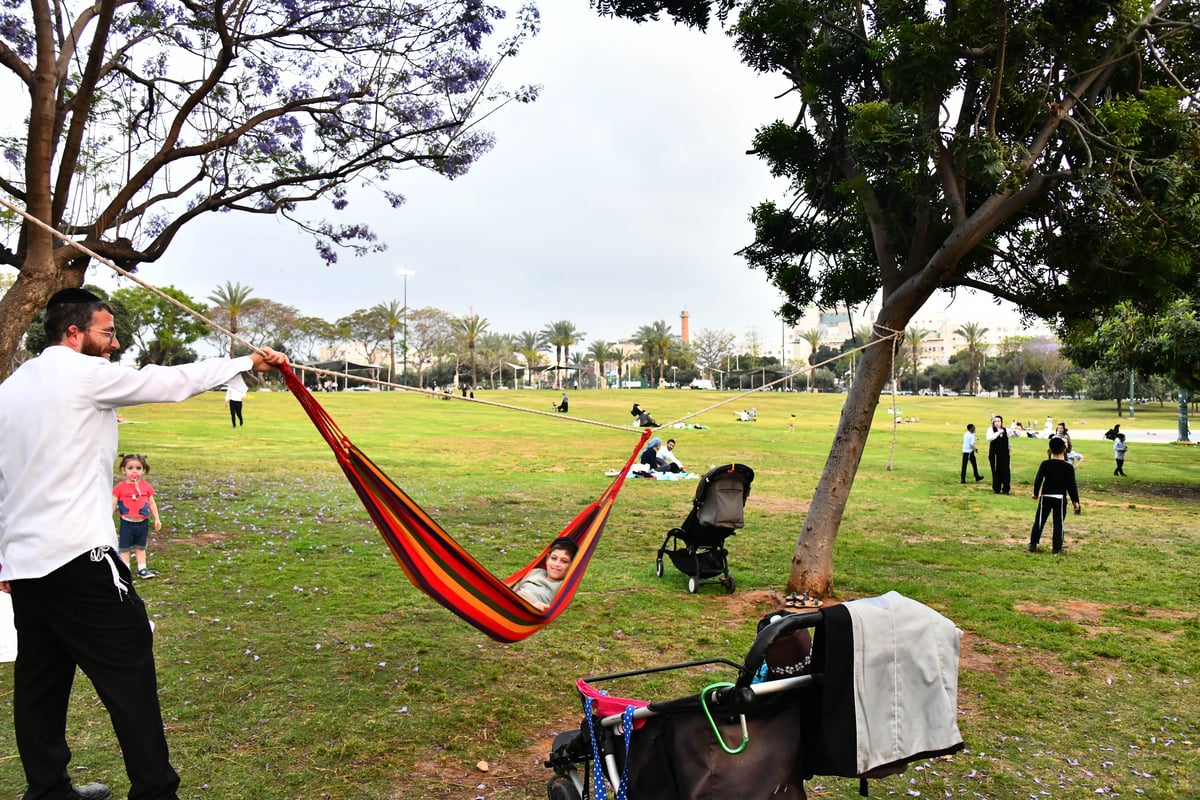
x,y
72,296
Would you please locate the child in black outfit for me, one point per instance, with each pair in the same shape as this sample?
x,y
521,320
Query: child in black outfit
x,y
1055,481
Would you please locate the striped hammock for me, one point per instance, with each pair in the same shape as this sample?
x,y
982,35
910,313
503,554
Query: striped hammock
x,y
438,565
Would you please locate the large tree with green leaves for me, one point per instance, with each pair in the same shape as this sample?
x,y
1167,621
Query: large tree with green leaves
x,y
1125,341
162,330
1042,152
138,118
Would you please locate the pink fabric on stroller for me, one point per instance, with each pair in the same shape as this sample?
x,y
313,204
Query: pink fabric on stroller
x,y
605,705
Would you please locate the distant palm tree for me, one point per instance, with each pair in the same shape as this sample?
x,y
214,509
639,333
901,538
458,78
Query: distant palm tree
x,y
654,339
914,337
562,335
470,329
391,316
602,352
580,362
530,345
973,332
813,337
234,299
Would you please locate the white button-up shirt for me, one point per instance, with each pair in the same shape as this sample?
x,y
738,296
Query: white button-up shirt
x,y
58,444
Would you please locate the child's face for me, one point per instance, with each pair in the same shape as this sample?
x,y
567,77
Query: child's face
x,y
557,563
133,470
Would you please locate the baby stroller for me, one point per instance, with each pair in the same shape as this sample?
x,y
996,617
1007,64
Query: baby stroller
x,y
697,549
794,709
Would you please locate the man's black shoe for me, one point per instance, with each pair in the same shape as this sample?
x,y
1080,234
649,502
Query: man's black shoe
x,y
92,791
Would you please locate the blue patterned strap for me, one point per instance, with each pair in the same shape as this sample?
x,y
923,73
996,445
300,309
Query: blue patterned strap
x,y
599,790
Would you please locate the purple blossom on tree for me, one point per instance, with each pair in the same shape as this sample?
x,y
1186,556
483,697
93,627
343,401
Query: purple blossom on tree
x,y
199,106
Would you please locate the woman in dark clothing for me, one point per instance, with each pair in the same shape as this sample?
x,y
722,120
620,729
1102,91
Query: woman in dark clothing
x,y
649,456
999,456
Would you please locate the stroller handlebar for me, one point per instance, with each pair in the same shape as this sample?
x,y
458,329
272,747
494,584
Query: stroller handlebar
x,y
757,654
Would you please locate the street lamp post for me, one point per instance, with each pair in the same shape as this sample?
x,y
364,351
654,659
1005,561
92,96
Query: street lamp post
x,y
404,273
674,378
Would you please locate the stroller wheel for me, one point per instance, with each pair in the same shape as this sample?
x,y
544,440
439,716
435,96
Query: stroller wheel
x,y
560,788
658,567
730,584
692,583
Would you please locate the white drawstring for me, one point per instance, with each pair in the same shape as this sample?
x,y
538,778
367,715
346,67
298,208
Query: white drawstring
x,y
105,554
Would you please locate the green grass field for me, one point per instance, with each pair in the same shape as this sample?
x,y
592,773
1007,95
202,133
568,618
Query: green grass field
x,y
296,662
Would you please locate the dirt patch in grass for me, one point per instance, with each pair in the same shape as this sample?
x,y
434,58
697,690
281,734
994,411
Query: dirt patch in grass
x,y
194,540
766,504
1088,614
1135,506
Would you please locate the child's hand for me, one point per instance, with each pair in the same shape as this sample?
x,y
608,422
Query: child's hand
x,y
158,524
1078,510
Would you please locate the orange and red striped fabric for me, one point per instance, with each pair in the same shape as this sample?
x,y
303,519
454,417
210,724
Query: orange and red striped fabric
x,y
438,565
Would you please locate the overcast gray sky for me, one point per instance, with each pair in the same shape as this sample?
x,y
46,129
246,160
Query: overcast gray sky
x,y
618,198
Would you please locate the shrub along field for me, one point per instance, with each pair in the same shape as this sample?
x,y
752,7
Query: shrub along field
x,y
295,660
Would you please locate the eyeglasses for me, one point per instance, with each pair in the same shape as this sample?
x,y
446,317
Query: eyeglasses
x,y
110,333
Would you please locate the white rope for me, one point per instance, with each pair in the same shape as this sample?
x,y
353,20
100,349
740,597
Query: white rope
x,y
429,392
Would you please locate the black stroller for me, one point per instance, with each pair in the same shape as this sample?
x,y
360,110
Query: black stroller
x,y
794,709
697,549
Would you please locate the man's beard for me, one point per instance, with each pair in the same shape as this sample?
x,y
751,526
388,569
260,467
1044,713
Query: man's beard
x,y
93,348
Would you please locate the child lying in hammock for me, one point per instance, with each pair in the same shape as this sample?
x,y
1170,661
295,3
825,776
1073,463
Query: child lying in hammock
x,y
540,585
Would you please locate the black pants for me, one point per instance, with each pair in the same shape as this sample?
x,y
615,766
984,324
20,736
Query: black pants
x,y
1001,474
1048,507
235,412
76,616
969,457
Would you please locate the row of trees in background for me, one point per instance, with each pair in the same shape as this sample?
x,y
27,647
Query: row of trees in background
x,y
434,346
443,349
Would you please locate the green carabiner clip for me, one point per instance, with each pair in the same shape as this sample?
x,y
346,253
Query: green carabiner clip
x,y
712,722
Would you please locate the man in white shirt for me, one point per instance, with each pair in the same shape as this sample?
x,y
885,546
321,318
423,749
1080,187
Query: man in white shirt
x,y
73,598
668,457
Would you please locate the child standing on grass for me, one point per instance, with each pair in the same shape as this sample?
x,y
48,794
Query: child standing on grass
x,y
1055,481
1119,448
133,499
968,455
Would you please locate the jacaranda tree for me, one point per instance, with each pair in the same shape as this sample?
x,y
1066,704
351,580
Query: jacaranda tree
x,y
1042,152
144,114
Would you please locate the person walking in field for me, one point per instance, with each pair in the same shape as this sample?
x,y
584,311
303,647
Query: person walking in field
x,y
1055,482
235,394
1119,450
969,447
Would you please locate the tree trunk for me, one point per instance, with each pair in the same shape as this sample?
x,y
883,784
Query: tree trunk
x,y
26,298
812,562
